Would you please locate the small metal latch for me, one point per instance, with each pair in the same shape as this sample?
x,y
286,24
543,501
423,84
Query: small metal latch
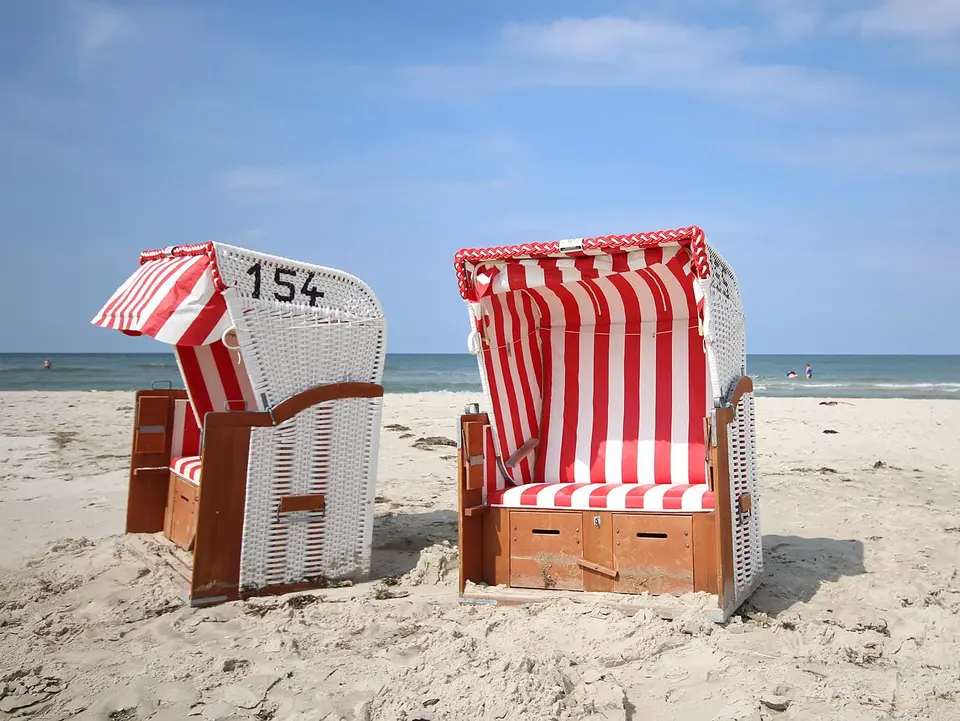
x,y
596,521
570,244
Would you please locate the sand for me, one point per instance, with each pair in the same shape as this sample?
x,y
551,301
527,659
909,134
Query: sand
x,y
856,618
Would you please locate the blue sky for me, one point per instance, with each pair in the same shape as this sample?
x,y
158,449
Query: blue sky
x,y
816,142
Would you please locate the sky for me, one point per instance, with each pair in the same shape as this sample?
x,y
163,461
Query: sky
x,y
816,142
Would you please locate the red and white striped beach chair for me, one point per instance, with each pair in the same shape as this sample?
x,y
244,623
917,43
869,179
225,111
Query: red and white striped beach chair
x,y
265,466
617,453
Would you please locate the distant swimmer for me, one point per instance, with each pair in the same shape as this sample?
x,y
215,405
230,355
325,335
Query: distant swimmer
x,y
47,363
791,374
809,372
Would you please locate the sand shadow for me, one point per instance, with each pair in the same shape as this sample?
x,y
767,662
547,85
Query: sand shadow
x,y
398,539
794,569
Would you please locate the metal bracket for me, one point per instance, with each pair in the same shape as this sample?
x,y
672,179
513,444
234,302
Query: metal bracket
x,y
713,428
475,460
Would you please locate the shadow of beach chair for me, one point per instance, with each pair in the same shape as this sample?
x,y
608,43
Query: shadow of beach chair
x,y
617,453
264,467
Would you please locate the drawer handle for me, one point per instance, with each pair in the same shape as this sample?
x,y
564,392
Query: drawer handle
x,y
546,531
651,535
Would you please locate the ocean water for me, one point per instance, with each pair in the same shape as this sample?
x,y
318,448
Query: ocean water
x,y
835,376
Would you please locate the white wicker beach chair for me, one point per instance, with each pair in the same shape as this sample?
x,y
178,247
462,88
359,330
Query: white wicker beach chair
x,y
617,453
265,466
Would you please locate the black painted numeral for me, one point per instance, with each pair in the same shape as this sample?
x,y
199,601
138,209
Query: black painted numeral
x,y
254,270
313,293
279,275
291,288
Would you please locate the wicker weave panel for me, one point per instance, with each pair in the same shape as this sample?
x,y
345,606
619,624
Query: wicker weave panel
x,y
331,449
724,328
331,330
747,548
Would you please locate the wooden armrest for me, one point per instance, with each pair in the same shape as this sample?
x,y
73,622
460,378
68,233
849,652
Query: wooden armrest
x,y
522,452
285,410
744,385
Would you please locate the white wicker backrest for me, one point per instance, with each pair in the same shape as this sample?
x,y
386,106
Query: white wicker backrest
x,y
299,326
724,327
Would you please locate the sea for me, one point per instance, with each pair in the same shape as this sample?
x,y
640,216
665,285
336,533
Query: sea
x,y
835,376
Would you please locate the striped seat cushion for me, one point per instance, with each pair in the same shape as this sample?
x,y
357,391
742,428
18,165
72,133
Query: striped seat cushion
x,y
188,468
606,496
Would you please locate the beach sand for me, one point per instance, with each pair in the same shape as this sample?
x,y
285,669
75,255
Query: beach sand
x,y
856,618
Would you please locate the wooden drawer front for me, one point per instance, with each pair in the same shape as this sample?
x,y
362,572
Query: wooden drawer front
x,y
183,512
652,553
545,550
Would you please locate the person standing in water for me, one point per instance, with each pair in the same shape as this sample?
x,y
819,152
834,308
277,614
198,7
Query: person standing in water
x,y
809,372
47,363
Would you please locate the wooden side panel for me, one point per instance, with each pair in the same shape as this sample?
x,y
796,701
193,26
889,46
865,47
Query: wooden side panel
x,y
219,522
653,553
149,459
598,549
706,571
469,528
470,495
496,547
545,549
723,512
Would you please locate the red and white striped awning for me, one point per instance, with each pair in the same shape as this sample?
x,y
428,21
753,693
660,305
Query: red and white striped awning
x,y
176,296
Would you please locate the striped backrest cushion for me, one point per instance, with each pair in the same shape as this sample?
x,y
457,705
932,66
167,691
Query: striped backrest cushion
x,y
600,358
186,432
215,376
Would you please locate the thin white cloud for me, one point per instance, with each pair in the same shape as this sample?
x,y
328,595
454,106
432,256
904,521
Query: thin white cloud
x,y
913,19
628,52
930,151
98,25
